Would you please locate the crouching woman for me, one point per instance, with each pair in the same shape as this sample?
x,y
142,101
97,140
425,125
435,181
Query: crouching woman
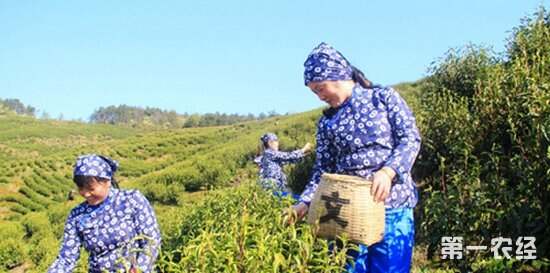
x,y
117,227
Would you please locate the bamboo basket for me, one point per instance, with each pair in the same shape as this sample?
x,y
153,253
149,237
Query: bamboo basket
x,y
343,204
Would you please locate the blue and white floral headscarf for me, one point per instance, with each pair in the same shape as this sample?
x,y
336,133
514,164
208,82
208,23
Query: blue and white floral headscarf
x,y
95,165
267,137
325,63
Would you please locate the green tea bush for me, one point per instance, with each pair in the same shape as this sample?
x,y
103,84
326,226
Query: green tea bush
x,y
244,230
485,160
162,193
12,253
19,209
36,225
39,186
212,173
42,234
34,196
300,173
23,201
64,182
57,215
12,248
43,252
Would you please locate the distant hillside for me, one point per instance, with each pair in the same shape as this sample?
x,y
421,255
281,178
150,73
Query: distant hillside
x,y
139,117
36,156
154,117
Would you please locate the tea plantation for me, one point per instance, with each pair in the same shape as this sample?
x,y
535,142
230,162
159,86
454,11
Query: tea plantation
x,y
483,172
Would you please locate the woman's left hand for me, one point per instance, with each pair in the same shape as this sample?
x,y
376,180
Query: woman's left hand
x,y
307,148
381,184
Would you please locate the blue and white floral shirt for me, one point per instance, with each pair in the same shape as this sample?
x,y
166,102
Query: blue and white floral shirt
x,y
108,232
372,129
272,176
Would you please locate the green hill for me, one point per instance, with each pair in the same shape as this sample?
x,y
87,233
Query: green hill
x,y
37,155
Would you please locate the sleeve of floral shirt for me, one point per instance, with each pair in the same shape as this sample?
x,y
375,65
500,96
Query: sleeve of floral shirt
x,y
405,134
70,248
146,224
324,162
286,157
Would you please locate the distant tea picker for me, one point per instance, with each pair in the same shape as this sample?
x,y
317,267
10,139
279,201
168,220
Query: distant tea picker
x,y
271,160
117,227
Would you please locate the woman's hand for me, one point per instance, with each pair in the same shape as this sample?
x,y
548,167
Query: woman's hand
x,y
381,184
298,212
307,148
300,209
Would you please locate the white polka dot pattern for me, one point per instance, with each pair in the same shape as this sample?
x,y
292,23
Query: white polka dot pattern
x,y
271,168
108,232
374,128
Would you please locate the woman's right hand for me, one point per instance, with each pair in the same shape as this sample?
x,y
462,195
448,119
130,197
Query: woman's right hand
x,y
299,211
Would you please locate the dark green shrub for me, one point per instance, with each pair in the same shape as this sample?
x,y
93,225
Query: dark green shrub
x,y
244,230
165,194
36,226
300,173
484,163
43,252
12,253
12,249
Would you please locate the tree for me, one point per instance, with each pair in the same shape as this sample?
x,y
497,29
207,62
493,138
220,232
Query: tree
x,y
18,107
45,115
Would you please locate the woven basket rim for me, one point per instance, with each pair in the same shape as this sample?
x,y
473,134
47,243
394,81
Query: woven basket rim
x,y
347,178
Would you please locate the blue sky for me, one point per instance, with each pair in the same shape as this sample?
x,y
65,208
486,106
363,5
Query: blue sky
x,y
71,57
